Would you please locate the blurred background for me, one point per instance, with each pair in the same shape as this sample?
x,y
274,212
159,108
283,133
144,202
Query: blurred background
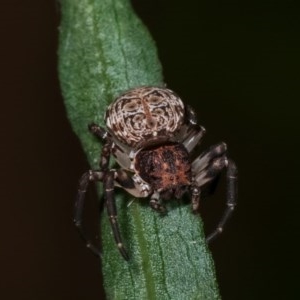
x,y
237,63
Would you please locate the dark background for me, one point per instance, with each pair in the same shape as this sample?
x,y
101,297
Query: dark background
x,y
236,62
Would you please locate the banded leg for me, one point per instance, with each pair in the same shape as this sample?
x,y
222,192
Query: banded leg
x,y
231,197
191,115
106,149
91,176
209,164
98,131
193,136
195,198
108,185
206,168
156,205
121,155
121,178
86,178
192,133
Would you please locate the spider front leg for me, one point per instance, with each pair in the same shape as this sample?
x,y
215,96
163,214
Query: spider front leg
x,y
106,150
91,176
109,186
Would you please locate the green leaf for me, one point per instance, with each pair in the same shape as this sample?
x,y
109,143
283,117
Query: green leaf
x,y
104,50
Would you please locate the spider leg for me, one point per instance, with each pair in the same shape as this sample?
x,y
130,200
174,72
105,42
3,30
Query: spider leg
x,y
231,199
206,168
195,198
156,205
85,179
191,116
193,136
191,133
112,211
120,153
98,131
209,164
107,147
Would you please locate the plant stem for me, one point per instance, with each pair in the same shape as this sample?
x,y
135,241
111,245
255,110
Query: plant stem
x,y
104,50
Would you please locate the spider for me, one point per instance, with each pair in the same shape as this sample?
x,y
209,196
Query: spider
x,y
151,134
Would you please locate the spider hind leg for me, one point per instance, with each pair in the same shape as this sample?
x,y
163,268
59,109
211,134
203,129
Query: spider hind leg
x,y
231,196
207,168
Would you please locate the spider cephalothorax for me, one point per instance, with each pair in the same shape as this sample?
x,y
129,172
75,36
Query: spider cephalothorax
x,y
151,134
165,167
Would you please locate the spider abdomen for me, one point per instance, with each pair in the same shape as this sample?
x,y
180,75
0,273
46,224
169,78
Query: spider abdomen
x,y
165,167
143,113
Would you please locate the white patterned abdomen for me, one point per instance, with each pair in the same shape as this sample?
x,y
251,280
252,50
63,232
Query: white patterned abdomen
x,y
143,113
